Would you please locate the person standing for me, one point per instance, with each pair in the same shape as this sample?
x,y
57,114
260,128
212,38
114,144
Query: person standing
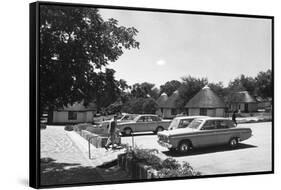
x,y
111,132
234,117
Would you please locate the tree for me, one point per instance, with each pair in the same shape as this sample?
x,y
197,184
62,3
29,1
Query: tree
x,y
169,87
108,90
189,87
140,106
144,90
264,84
242,83
149,106
76,43
218,89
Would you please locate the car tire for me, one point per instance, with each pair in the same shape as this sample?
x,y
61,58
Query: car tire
x,y
233,142
158,129
127,131
184,147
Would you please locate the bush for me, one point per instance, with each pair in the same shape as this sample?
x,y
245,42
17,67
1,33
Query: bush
x,y
81,126
96,130
180,171
171,163
68,128
166,168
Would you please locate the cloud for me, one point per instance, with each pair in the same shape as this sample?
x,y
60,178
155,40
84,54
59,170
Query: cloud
x,y
161,62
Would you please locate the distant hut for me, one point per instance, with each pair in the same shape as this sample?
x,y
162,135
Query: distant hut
x,y
76,113
206,102
242,101
168,106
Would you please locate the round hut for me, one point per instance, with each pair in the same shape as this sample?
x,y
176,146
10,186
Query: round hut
x,y
206,102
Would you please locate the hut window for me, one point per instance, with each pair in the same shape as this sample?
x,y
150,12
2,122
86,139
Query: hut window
x,y
72,115
174,112
203,111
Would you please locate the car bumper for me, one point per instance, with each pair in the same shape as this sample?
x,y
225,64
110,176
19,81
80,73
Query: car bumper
x,y
164,144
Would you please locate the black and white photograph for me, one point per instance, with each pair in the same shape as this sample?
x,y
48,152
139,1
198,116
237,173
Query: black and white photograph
x,y
136,94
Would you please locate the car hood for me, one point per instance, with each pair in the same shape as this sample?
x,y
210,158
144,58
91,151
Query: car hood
x,y
177,131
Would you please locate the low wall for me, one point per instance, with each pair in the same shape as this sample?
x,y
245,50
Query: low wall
x,y
97,140
134,169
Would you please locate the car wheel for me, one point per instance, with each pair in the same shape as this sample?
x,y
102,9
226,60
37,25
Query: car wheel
x,y
158,130
127,131
184,147
233,142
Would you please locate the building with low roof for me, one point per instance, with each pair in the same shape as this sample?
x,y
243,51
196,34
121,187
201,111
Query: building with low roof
x,y
75,113
241,101
207,103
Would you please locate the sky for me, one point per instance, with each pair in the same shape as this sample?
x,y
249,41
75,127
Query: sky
x,y
174,45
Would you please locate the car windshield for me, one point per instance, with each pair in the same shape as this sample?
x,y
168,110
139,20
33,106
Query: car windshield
x,y
195,124
174,124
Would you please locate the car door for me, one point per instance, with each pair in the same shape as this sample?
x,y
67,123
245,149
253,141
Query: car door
x,y
140,125
152,123
224,131
207,135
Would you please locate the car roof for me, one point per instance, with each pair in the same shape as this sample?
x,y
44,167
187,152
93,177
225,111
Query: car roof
x,y
214,118
147,115
190,117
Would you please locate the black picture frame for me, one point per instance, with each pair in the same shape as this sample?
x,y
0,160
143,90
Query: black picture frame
x,y
34,106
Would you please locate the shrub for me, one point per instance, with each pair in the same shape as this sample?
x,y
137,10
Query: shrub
x,y
96,130
170,163
68,128
180,171
166,168
81,126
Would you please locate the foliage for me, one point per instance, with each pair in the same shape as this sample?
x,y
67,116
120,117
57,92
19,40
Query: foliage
x,y
264,84
114,107
148,157
169,87
218,88
180,171
68,128
242,83
144,90
81,126
149,106
76,43
140,105
166,168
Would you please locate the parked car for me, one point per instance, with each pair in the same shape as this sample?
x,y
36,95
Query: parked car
x,y
182,122
126,118
144,123
204,132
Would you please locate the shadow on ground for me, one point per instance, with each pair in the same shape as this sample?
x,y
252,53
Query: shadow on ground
x,y
54,173
208,150
139,134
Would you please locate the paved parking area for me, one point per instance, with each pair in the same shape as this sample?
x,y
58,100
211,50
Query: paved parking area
x,y
65,159
252,155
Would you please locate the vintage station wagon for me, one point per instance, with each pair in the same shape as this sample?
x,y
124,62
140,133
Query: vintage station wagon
x,y
144,123
204,132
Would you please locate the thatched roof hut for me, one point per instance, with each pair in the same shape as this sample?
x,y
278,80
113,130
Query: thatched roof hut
x,y
171,102
241,97
205,98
